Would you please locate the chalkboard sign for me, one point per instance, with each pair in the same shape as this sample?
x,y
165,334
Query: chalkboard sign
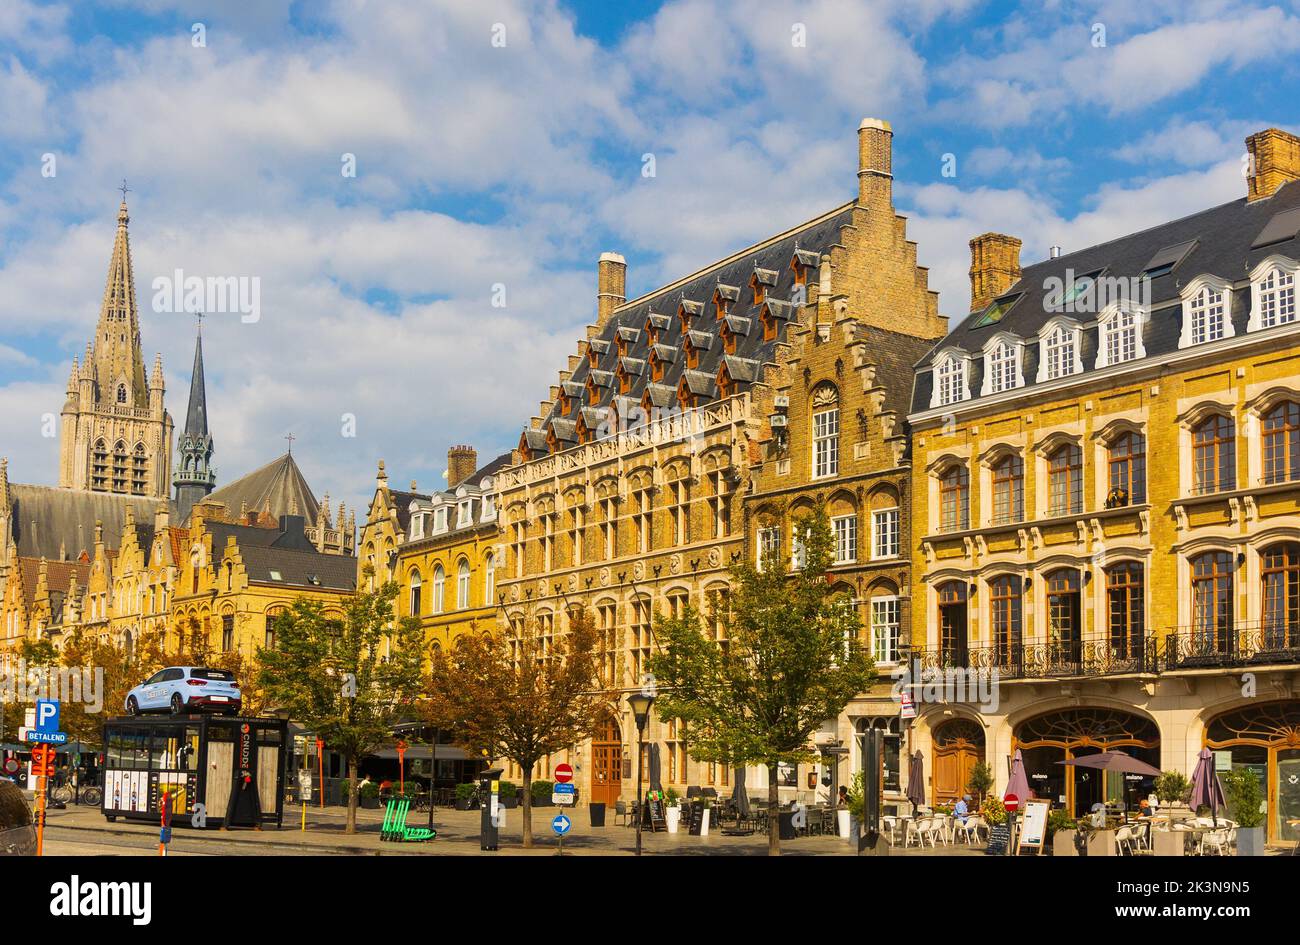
x,y
999,837
696,822
654,813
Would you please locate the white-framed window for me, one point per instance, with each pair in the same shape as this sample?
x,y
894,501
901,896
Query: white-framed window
x,y
949,380
826,443
845,529
417,525
462,585
1273,287
464,513
798,550
414,603
885,625
884,533
1001,367
1119,337
769,545
488,510
440,519
439,589
489,579
1207,312
1059,353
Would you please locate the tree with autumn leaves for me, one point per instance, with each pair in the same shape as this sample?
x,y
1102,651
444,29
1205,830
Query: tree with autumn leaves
x,y
519,697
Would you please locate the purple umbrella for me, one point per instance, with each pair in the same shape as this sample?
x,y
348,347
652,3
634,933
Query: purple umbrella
x,y
1018,784
1114,761
916,781
1206,788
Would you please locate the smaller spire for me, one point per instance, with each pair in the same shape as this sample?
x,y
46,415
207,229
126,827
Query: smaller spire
x,y
381,477
156,381
72,378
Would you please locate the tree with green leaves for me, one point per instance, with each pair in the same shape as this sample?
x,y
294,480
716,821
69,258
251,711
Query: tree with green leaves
x,y
788,660
349,679
519,696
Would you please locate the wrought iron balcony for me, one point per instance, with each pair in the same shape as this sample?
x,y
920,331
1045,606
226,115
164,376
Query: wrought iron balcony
x,y
1047,659
1243,643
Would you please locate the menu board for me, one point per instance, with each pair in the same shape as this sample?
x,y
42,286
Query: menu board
x,y
999,837
1033,826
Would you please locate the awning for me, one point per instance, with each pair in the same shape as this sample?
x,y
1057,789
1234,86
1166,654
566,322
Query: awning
x,y
422,753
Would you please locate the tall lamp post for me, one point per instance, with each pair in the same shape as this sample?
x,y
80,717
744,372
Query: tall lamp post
x,y
640,703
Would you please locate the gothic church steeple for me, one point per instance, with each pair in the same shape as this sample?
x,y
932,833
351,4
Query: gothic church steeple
x,y
194,478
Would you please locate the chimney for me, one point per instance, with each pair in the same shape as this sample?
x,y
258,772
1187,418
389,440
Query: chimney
x,y
875,164
994,267
461,463
1054,252
1274,160
611,285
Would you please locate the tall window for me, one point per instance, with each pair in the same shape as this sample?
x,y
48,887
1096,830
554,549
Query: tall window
x,y
952,623
519,546
640,639
680,510
1214,455
439,589
798,548
1127,461
1119,337
1065,480
1282,443
1005,618
1281,612
462,584
608,658
954,499
609,526
845,530
547,540
1125,610
884,533
1008,490
1003,367
1064,616
489,579
826,443
227,632
884,629
577,532
1058,353
950,381
769,546
720,504
1212,602
643,518
414,601
1207,312
1277,298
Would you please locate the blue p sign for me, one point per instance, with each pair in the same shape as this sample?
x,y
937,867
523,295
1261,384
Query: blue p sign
x,y
47,715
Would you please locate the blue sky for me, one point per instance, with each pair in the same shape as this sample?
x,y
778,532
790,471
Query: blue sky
x,y
482,165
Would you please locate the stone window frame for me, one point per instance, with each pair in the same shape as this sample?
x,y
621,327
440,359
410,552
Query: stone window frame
x,y
1047,336
1195,296
1003,347
1267,267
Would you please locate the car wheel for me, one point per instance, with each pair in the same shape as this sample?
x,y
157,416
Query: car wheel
x,y
132,706
178,706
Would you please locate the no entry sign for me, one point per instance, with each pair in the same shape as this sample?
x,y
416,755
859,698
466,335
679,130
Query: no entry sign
x,y
1011,802
564,773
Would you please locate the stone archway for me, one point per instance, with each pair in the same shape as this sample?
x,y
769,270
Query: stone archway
x,y
957,746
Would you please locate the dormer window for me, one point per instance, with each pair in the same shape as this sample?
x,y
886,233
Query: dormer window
x,y
687,312
726,386
728,338
723,296
950,384
692,352
1273,287
1059,351
760,282
1119,336
1001,366
685,399
803,261
593,357
440,519
465,513
1207,312
657,366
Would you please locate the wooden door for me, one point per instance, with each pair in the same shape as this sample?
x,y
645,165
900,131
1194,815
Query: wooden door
x,y
607,764
958,746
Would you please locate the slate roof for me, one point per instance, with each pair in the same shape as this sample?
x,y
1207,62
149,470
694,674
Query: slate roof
x,y
58,576
46,516
695,293
1222,241
298,568
279,484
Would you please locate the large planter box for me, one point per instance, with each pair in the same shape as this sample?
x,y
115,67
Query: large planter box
x,y
842,818
1065,843
1168,842
673,816
1250,841
1102,843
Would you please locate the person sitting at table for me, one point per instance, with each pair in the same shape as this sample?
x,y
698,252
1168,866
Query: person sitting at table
x,y
844,796
1144,808
961,810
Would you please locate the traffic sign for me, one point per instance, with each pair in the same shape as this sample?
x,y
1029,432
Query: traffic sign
x,y
1011,802
564,773
564,794
561,824
46,738
907,708
47,715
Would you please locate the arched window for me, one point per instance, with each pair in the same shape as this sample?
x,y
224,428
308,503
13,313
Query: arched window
x,y
954,498
950,381
1277,298
119,467
439,589
1120,338
489,579
121,393
1281,611
1207,312
1058,353
1008,489
1003,367
462,584
99,467
825,431
1127,460
1212,590
1065,480
1282,443
1214,455
414,602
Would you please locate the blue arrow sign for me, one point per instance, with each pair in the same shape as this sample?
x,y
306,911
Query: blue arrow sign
x,y
561,825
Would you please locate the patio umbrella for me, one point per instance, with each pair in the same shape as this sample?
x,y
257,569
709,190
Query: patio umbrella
x,y
916,781
1113,761
738,794
1206,788
655,784
1018,783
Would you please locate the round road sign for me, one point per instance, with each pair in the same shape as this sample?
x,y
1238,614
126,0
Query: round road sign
x,y
564,773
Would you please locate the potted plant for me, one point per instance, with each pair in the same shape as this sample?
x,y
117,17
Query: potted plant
x,y
541,793
368,795
1171,789
1246,802
850,818
981,781
509,795
705,804
672,809
466,795
1064,834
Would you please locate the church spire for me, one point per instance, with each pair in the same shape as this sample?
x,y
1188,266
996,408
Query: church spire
x,y
194,478
118,364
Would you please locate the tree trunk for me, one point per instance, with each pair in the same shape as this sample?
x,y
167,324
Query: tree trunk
x,y
773,805
352,796
526,807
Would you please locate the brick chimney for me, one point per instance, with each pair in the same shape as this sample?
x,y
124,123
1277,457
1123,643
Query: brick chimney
x,y
611,285
994,267
875,164
1274,160
461,463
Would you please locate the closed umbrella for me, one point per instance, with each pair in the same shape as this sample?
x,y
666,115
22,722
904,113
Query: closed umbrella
x,y
1018,783
739,795
1206,789
655,784
916,781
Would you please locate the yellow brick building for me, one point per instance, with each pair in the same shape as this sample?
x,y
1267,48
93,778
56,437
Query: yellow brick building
x,y
1106,471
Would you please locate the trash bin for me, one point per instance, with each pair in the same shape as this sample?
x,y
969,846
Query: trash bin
x,y
786,827
597,814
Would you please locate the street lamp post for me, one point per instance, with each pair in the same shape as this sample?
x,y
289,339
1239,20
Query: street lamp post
x,y
640,703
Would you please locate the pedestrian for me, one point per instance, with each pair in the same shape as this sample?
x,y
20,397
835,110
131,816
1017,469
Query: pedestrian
x,y
844,796
961,810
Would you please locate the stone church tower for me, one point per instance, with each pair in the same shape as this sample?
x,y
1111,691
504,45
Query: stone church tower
x,y
116,433
194,478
